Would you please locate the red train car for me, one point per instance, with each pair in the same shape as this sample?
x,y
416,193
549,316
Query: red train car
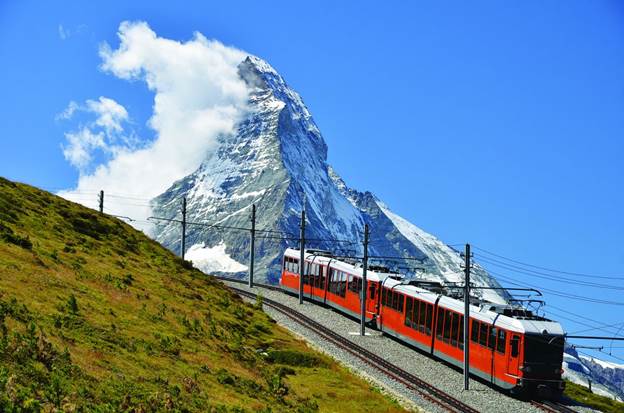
x,y
510,347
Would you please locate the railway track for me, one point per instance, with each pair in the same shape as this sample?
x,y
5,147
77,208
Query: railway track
x,y
552,407
415,384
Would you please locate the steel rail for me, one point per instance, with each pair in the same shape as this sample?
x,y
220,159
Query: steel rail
x,y
552,407
421,387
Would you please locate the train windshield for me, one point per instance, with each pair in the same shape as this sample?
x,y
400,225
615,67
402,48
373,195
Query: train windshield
x,y
543,349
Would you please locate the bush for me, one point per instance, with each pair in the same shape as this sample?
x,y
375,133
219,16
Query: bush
x,y
7,235
128,279
294,358
169,344
72,304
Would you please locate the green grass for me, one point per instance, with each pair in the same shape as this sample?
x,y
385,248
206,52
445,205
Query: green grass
x,y
95,316
583,395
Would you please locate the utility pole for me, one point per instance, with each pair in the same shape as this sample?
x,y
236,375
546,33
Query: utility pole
x,y
101,199
252,245
467,318
183,227
302,256
364,283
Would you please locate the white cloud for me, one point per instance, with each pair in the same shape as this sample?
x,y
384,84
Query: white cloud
x,y
69,111
110,114
82,143
65,32
105,133
198,95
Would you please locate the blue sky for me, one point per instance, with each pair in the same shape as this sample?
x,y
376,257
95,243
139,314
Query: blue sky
x,y
495,123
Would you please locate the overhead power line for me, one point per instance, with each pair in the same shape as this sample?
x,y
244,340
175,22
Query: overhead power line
x,y
561,294
578,274
552,277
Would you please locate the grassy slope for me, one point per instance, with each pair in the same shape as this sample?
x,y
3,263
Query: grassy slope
x,y
583,395
94,316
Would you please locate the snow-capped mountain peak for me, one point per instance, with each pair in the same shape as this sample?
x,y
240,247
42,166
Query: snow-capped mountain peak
x,y
277,159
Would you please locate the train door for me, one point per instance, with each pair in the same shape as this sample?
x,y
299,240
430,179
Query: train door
x,y
371,300
323,283
514,355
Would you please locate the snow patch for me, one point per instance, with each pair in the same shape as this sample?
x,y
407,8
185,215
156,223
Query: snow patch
x,y
575,371
603,364
213,259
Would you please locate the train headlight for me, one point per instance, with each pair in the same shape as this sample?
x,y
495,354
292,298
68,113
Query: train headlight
x,y
525,369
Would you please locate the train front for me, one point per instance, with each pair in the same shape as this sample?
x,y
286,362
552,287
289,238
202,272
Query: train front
x,y
540,369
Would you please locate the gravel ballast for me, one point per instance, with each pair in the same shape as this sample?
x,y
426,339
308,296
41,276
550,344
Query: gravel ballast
x,y
480,396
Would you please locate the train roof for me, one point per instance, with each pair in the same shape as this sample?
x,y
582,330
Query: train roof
x,y
354,268
510,317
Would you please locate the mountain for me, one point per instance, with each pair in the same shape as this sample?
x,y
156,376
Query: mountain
x,y
607,379
277,159
97,317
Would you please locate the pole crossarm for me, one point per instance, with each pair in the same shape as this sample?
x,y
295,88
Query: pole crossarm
x,y
594,337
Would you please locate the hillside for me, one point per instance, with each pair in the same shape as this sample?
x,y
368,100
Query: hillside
x,y
95,316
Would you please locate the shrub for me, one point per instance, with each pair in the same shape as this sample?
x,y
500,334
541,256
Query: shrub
x,y
128,279
72,304
294,358
169,344
259,301
7,235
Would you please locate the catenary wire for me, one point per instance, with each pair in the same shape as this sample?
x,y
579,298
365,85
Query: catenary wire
x,y
612,277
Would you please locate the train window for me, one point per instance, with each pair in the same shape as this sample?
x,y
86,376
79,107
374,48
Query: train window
x,y
439,323
492,339
460,337
306,273
401,299
417,314
455,329
358,285
429,320
409,302
372,291
500,345
333,281
342,284
351,286
448,325
475,331
420,316
514,345
483,334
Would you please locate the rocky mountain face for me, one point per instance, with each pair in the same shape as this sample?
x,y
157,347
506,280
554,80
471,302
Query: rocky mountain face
x,y
607,379
277,160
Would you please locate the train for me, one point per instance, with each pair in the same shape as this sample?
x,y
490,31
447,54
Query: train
x,y
511,347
